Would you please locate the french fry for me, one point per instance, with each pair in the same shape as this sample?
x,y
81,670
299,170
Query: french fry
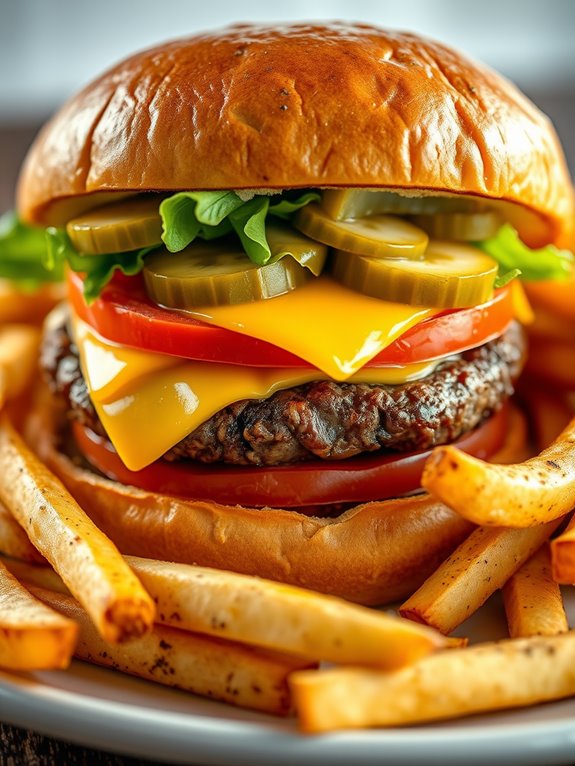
x,y
30,307
450,684
532,599
38,575
14,541
563,555
476,569
236,674
518,495
18,358
556,296
548,325
83,556
32,636
268,614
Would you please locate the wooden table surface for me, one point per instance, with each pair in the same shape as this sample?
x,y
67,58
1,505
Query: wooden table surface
x,y
17,746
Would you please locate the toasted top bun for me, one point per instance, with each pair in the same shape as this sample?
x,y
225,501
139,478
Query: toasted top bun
x,y
298,106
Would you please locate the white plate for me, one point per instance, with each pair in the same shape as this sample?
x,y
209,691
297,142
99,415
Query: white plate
x,y
104,709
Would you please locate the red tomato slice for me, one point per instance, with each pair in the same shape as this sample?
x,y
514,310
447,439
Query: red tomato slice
x,y
125,314
312,483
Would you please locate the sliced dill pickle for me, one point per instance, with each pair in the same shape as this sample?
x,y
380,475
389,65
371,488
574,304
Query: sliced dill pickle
x,y
450,275
128,225
285,241
465,227
377,236
349,204
217,274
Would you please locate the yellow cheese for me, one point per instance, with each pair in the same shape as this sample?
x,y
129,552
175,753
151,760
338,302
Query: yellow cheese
x,y
332,327
148,402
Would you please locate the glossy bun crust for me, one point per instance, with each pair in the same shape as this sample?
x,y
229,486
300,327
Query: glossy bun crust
x,y
299,106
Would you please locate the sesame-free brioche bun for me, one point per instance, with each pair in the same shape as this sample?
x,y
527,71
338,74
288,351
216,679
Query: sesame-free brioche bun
x,y
302,106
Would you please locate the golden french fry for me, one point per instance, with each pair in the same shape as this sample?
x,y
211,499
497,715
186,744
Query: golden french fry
x,y
88,562
268,614
532,599
281,617
31,307
38,575
481,565
14,541
547,325
556,296
18,357
212,667
32,636
519,495
563,555
485,677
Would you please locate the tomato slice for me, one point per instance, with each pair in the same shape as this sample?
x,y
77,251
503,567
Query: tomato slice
x,y
124,314
312,483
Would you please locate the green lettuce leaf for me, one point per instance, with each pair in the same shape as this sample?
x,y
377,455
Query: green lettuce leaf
x,y
187,215
514,258
23,254
98,269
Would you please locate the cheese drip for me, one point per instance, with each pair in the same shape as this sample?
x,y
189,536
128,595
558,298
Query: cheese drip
x,y
335,329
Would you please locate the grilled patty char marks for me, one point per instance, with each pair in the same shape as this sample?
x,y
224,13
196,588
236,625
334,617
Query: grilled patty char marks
x,y
326,419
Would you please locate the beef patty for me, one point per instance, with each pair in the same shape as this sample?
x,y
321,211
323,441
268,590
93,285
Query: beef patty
x,y
326,419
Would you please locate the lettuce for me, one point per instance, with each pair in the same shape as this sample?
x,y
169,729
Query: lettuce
x,y
515,258
23,254
98,269
187,215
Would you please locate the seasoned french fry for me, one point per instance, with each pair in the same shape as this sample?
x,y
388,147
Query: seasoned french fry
x,y
480,566
532,599
85,558
280,617
268,614
212,667
450,684
563,555
14,541
519,495
32,636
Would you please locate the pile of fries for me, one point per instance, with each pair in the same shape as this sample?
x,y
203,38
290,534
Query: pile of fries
x,y
65,591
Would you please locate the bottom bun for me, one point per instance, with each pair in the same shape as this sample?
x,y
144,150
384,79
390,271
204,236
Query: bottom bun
x,y
372,554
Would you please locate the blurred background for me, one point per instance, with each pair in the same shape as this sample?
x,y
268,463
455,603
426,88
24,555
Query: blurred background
x,y
50,48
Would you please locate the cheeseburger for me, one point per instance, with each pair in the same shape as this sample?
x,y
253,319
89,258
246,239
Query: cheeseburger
x,y
292,264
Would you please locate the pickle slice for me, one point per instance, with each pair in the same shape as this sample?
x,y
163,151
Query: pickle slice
x,y
466,227
217,274
377,236
128,225
450,275
284,240
349,204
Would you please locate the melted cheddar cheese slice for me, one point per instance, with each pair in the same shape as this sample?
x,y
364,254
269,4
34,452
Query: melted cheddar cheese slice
x,y
335,329
148,402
